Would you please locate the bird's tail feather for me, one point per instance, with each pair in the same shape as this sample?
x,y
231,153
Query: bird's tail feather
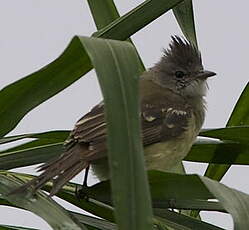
x,y
59,171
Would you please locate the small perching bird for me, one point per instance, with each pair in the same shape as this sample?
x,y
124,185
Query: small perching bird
x,y
172,111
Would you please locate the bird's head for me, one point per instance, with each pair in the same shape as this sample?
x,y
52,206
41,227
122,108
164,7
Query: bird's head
x,y
181,69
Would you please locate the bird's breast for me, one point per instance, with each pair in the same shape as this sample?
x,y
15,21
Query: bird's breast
x,y
165,155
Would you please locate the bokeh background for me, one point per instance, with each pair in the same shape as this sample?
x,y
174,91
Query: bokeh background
x,y
34,33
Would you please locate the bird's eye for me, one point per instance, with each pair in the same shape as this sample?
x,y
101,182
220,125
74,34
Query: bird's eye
x,y
179,74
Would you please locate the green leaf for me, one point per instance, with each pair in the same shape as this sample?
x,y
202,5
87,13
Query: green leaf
x,y
182,222
136,19
8,227
94,222
237,134
240,114
185,17
15,99
46,146
29,156
239,117
103,12
234,201
39,204
207,151
175,186
60,135
124,142
164,186
172,190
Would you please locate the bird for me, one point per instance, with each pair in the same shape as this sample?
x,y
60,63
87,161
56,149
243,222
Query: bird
x,y
172,111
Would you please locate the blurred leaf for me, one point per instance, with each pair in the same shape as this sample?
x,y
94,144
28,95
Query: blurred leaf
x,y
240,114
103,12
234,201
239,117
207,151
170,188
175,186
124,147
8,227
47,146
95,222
236,133
182,222
164,187
185,17
39,204
30,156
15,99
59,135
92,206
101,192
136,19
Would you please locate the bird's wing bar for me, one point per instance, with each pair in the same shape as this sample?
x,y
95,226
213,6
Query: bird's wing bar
x,y
163,122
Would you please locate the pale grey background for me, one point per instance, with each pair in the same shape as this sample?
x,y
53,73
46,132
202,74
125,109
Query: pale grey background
x,y
34,33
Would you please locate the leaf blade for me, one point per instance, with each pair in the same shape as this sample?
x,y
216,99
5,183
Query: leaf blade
x,y
185,17
40,204
124,148
239,116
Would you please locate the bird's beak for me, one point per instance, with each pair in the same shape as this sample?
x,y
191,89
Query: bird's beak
x,y
204,74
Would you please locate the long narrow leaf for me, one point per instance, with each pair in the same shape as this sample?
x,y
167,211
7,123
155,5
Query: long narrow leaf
x,y
219,152
182,222
15,99
131,195
236,133
235,202
185,17
60,135
161,198
30,156
41,205
8,227
95,222
136,19
164,187
103,12
239,117
174,186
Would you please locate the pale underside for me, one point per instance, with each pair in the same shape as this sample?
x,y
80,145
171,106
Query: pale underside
x,y
163,156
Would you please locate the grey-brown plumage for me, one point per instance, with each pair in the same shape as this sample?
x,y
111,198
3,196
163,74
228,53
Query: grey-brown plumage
x,y
172,112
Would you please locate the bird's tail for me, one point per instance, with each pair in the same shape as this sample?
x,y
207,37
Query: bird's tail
x,y
59,171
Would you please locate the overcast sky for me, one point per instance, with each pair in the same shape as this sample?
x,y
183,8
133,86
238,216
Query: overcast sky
x,y
34,33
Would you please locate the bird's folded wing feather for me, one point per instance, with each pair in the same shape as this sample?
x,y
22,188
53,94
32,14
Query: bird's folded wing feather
x,y
160,121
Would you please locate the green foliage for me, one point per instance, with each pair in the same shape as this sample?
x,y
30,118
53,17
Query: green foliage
x,y
135,198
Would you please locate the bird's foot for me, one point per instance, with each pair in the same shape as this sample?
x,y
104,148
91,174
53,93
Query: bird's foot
x,y
81,192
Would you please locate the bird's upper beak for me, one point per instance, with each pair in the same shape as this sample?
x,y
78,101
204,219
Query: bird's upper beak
x,y
204,74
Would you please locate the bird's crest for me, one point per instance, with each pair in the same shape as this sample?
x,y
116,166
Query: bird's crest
x,y
182,52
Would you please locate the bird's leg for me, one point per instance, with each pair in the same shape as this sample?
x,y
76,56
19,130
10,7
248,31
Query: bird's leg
x,y
86,176
79,192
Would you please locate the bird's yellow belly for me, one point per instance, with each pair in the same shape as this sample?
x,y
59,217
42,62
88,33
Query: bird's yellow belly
x,y
164,156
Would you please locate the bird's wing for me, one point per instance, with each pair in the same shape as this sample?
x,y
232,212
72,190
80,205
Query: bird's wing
x,y
163,121
87,141
90,130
